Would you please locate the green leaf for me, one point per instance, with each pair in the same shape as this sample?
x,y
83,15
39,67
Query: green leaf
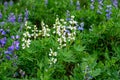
x,y
96,72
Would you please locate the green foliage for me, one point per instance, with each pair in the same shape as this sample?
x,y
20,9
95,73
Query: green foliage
x,y
93,55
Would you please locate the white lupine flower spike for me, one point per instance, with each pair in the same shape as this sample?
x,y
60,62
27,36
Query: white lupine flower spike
x,y
65,32
52,56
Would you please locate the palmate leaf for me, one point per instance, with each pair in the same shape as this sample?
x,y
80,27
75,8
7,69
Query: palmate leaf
x,y
117,50
96,72
78,48
67,56
111,62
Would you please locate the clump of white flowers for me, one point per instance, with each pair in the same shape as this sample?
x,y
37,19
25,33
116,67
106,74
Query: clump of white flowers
x,y
65,32
59,31
52,56
45,30
26,37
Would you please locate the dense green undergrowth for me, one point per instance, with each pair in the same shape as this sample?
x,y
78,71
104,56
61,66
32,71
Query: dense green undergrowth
x,y
59,40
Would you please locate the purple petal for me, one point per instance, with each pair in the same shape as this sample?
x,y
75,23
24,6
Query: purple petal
x,y
13,37
68,19
17,36
8,52
107,10
16,45
67,31
92,1
80,28
3,32
11,48
92,6
8,57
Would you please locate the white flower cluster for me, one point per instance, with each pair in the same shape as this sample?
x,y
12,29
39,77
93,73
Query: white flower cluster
x,y
72,27
52,56
26,39
45,30
35,32
65,31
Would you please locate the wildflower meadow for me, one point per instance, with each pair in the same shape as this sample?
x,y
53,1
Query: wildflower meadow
x,y
59,39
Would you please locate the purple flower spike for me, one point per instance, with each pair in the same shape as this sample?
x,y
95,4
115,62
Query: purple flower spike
x,y
78,5
3,42
100,6
92,4
115,3
68,15
108,12
6,4
16,45
11,3
26,14
20,18
21,26
11,18
0,15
